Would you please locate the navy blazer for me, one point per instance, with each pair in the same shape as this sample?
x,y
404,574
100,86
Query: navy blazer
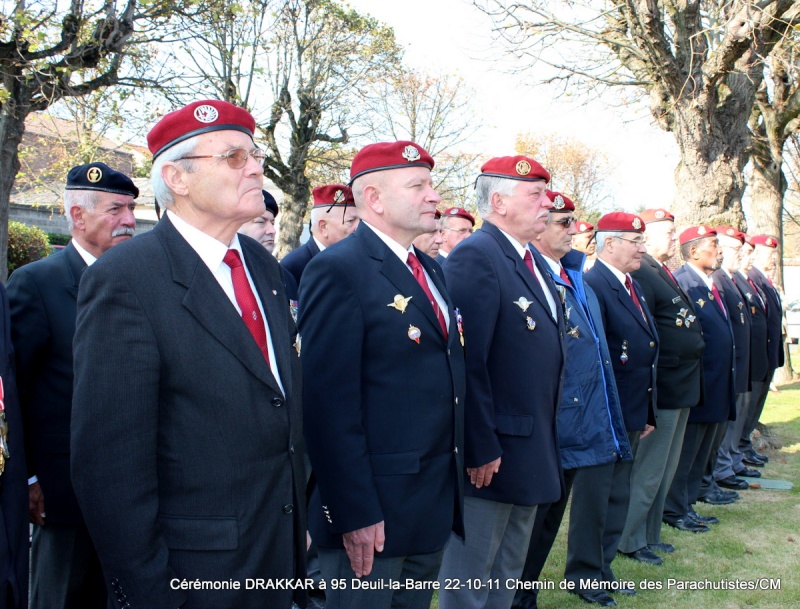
x,y
741,320
718,359
759,347
43,299
14,531
383,398
633,343
515,358
774,317
591,429
680,344
187,458
295,262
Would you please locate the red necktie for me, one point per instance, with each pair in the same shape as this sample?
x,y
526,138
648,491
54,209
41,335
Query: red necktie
x,y
529,263
565,277
251,314
718,298
629,285
671,276
419,275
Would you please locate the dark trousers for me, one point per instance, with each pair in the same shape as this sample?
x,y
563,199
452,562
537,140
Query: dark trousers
x,y
334,564
600,497
698,442
65,570
545,529
755,406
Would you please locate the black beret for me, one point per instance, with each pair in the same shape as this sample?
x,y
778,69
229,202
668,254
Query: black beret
x,y
99,176
270,203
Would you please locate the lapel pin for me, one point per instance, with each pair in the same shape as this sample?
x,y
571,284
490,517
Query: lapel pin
x,y
701,303
414,333
678,322
274,292
530,324
460,326
574,332
523,303
297,345
623,358
676,300
400,302
710,296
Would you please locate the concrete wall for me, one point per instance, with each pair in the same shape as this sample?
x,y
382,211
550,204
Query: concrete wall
x,y
52,220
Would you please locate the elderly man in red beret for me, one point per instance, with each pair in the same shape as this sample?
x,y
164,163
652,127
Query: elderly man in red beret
x,y
384,404
456,225
583,241
633,344
513,325
187,449
333,217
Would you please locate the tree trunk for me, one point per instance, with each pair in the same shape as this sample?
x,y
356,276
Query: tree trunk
x,y
293,213
12,126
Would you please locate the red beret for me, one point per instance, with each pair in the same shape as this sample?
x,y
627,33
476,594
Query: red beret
x,y
730,231
696,232
389,155
656,215
515,167
584,227
333,195
620,221
197,118
459,212
560,203
764,240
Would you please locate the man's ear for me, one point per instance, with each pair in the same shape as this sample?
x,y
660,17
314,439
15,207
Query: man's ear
x,y
174,177
76,213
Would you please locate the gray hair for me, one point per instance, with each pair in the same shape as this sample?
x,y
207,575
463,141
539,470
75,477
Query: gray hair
x,y
161,191
601,236
486,186
78,198
317,214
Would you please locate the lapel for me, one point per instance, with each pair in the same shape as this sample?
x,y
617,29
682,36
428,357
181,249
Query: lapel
x,y
622,295
400,276
313,248
522,270
75,267
207,302
659,268
746,290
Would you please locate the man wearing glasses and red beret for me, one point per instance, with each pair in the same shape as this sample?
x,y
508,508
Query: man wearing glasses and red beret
x,y
456,225
187,451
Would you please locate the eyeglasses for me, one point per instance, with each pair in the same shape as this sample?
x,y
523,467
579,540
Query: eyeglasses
x,y
565,222
236,157
637,241
460,231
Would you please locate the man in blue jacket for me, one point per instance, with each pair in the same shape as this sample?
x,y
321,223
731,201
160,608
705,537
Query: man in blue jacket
x,y
514,331
591,431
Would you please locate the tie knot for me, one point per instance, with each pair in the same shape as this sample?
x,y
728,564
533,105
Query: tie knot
x,y
628,282
413,262
232,259
527,255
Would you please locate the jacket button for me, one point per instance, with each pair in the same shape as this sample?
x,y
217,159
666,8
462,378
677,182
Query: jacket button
x,y
455,450
652,344
456,401
649,390
288,508
291,449
277,402
448,353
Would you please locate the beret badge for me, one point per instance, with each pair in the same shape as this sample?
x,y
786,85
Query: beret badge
x,y
206,113
730,232
523,168
411,154
338,196
558,202
701,230
660,215
637,224
769,241
94,175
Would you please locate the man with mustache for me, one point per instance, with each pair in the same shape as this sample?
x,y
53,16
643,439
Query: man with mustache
x,y
99,204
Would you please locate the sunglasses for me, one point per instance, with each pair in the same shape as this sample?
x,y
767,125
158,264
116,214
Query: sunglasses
x,y
236,157
565,222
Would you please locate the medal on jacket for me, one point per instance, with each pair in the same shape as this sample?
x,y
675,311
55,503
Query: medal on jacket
x,y
523,303
710,297
530,324
4,454
460,326
293,309
297,342
701,302
414,333
574,332
624,356
400,302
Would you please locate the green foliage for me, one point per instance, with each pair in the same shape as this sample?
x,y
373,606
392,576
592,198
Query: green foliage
x,y
25,244
58,238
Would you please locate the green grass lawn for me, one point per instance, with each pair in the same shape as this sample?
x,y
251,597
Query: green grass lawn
x,y
757,540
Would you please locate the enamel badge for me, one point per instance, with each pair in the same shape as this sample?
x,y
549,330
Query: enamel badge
x,y
530,324
460,326
414,333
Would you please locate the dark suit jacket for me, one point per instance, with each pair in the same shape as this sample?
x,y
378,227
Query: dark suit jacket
x,y
630,333
383,412
514,370
13,483
718,359
186,456
774,317
295,262
43,298
741,320
759,347
680,348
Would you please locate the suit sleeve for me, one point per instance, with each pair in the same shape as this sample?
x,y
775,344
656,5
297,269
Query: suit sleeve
x,y
115,419
30,335
332,329
475,289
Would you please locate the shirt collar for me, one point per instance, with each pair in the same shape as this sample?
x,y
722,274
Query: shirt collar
x,y
210,250
88,258
706,278
393,245
318,242
617,273
521,249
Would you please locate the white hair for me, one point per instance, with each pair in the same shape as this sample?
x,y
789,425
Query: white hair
x,y
161,191
317,214
486,186
78,198
601,236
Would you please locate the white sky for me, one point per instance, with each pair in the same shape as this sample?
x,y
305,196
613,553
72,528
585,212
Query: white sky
x,y
453,36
